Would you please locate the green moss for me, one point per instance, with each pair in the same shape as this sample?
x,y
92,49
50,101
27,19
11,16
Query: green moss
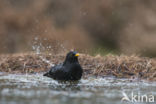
x,y
103,51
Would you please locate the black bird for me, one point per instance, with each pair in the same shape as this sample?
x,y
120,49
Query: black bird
x,y
69,70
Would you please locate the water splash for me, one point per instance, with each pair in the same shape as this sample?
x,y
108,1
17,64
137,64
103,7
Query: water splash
x,y
39,48
46,61
37,45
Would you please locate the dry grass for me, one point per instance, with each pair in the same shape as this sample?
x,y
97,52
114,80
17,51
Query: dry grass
x,y
118,66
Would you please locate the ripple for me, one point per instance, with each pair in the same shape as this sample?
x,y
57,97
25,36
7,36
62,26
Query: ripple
x,y
34,88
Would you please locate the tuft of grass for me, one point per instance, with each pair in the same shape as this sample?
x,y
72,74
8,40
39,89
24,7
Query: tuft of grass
x,y
132,67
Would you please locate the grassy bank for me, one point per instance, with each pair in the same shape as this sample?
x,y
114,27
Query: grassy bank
x,y
132,67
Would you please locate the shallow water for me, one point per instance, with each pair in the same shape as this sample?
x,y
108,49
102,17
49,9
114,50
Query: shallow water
x,y
36,89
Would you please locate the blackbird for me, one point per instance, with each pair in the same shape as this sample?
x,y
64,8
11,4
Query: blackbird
x,y
69,70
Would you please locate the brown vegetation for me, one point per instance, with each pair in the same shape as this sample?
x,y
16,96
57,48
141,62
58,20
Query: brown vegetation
x,y
118,66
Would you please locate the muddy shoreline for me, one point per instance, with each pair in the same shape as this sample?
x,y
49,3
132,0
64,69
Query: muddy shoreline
x,y
132,67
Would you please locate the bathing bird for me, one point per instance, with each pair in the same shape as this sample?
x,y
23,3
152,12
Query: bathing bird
x,y
69,70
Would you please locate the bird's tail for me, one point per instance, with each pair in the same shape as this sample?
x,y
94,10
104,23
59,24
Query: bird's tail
x,y
46,74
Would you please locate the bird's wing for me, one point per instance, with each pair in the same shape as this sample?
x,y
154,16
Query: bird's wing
x,y
56,68
58,72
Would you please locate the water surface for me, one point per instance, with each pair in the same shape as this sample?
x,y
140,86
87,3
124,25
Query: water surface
x,y
36,89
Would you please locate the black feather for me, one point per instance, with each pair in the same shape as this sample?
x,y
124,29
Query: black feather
x,y
70,69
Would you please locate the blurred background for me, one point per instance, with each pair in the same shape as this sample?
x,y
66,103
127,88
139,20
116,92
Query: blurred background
x,y
103,26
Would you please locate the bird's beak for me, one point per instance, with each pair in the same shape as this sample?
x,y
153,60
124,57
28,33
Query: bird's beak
x,y
77,55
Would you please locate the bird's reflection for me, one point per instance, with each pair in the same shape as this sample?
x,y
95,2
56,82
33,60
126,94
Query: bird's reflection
x,y
66,86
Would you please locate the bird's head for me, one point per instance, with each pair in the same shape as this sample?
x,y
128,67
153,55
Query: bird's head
x,y
72,57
